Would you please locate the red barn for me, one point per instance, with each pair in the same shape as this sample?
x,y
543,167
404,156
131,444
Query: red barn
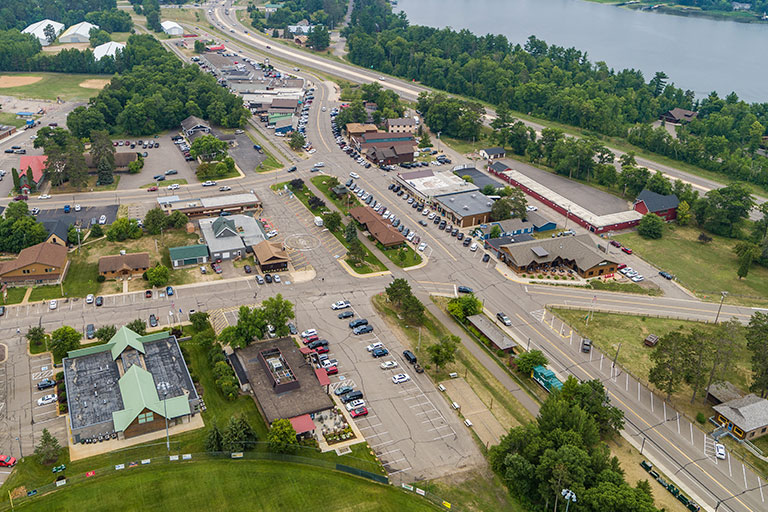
x,y
663,206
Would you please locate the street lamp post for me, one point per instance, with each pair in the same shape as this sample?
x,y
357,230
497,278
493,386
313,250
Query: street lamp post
x,y
723,295
569,496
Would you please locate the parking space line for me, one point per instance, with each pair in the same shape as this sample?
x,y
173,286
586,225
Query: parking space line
x,y
393,462
425,412
376,435
400,470
419,405
438,428
390,451
453,433
369,426
374,446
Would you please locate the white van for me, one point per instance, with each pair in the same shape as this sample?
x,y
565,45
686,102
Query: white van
x,y
319,222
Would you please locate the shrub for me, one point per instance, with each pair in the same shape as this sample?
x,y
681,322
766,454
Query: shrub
x,y
701,418
100,278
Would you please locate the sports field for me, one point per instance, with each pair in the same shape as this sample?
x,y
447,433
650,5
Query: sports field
x,y
49,86
228,485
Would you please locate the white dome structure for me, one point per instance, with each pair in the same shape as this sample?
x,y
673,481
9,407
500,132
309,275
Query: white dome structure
x,y
38,30
80,33
105,49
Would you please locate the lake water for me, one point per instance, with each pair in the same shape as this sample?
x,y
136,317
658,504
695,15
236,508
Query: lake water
x,y
696,53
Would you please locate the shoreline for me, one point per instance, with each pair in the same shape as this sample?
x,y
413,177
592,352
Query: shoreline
x,y
685,11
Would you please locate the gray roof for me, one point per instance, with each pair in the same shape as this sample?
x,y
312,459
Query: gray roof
x,y
537,220
514,224
578,248
496,243
499,166
466,203
194,121
747,413
401,121
58,227
492,332
246,232
494,151
228,200
657,202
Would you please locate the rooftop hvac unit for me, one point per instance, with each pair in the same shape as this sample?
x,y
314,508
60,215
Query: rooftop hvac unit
x,y
466,207
275,364
473,196
453,199
488,203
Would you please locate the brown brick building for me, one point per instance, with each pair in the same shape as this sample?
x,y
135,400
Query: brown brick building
x,y
43,263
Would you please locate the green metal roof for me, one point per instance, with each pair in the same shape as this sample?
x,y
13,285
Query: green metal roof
x,y
137,388
188,251
223,224
123,339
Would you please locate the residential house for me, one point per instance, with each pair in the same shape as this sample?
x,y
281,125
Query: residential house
x,y
188,255
400,125
665,206
58,231
124,265
194,124
43,263
744,418
493,153
678,116
31,174
271,256
301,40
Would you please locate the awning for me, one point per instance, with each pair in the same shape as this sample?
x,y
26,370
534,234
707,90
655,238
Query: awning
x,y
306,350
302,424
322,376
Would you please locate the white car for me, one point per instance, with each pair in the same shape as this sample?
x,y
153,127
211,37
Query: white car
x,y
473,247
173,186
313,150
320,164
388,365
208,183
719,451
103,219
637,279
89,299
342,304
374,346
323,109
78,208
276,278
272,234
411,236
425,212
422,246
53,304
400,378
354,175
431,216
47,399
531,208
45,196
308,333
354,404
382,78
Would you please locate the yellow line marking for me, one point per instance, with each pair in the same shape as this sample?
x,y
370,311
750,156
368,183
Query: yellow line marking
x,y
673,445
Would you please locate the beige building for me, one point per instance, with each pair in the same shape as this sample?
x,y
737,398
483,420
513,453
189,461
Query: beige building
x,y
124,265
400,125
44,263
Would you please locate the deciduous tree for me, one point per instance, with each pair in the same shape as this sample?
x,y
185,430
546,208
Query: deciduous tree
x,y
63,340
444,351
281,437
651,226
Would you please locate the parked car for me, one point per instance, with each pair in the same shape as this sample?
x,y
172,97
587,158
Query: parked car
x,y
45,384
7,461
379,352
504,319
53,304
332,370
586,345
247,269
388,365
486,258
354,404
169,291
465,289
292,328
615,243
152,320
308,333
719,451
358,322
346,314
360,411
47,399
626,250
90,332
363,329
99,301
89,299
342,390
342,304
400,378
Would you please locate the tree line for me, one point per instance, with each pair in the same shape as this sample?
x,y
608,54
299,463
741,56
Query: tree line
x,y
21,13
23,52
562,85
328,13
156,92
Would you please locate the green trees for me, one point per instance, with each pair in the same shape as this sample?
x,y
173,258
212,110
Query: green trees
x,y
319,39
276,312
213,439
104,334
356,252
48,449
651,226
282,437
65,160
199,46
111,20
350,232
451,116
18,229
296,141
36,336
158,275
223,375
495,231
103,153
239,436
332,221
209,148
464,306
413,310
199,320
444,351
747,253
138,326
722,210
527,361
757,344
123,229
63,340
501,209
98,37
154,221
398,290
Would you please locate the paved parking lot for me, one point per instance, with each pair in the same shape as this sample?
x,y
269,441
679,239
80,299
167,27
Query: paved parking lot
x,y
157,161
246,158
409,426
84,217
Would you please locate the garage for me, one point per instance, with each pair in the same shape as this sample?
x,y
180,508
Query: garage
x,y
188,255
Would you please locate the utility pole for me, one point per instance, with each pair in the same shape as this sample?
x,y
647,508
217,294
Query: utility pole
x,y
723,295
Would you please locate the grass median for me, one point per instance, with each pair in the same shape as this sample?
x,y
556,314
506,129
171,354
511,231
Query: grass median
x,y
325,183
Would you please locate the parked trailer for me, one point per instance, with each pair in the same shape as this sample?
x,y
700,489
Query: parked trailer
x,y
546,378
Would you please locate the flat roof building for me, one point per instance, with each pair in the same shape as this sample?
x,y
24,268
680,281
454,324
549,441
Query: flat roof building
x,y
428,184
465,208
172,28
128,386
282,381
209,206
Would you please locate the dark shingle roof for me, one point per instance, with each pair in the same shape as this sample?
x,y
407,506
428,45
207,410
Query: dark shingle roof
x,y
657,202
494,151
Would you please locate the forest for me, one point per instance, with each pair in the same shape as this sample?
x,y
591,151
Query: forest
x,y
561,84
328,13
155,91
21,13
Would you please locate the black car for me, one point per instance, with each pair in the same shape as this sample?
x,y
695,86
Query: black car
x,y
2,310
391,186
152,320
442,226
346,314
318,343
358,322
268,278
436,221
423,222
586,345
466,242
486,258
292,169
460,236
45,384
99,300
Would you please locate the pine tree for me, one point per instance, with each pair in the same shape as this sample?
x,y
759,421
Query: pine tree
x,y
213,440
105,172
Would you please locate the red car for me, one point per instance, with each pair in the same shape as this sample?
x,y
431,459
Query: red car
x,y
20,197
621,266
627,250
360,411
7,461
152,189
331,370
322,349
310,339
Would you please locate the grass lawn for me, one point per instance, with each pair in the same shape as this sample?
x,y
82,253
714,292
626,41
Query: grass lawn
x,y
164,184
479,489
607,330
269,164
229,174
229,485
11,119
324,184
614,286
370,263
66,188
15,295
190,15
120,37
403,257
79,281
705,269
53,85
